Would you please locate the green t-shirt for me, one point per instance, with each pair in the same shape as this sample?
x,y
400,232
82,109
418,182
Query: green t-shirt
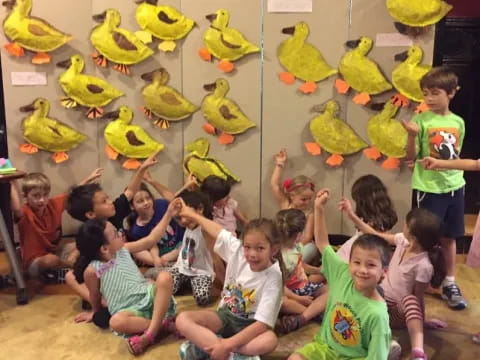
x,y
440,137
354,326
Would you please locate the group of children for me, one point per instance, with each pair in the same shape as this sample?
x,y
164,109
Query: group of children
x,y
270,280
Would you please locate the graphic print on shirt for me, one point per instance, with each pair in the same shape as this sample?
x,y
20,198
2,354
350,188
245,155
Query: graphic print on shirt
x,y
188,252
444,143
168,240
239,301
344,325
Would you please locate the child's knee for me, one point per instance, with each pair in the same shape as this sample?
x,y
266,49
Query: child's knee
x,y
270,341
49,261
182,320
164,278
117,322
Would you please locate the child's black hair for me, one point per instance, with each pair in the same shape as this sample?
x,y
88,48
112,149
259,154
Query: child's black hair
x,y
90,239
374,242
197,199
215,187
80,200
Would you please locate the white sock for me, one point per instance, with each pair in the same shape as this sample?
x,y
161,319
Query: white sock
x,y
449,280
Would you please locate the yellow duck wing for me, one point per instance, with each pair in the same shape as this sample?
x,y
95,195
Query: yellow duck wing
x,y
228,44
418,13
306,63
225,115
167,103
387,134
164,22
203,167
406,79
363,74
335,136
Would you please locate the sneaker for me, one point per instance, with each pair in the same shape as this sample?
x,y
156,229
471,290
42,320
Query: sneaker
x,y
237,356
395,350
54,276
190,351
452,294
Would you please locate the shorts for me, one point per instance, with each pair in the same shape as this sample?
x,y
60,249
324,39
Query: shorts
x,y
317,350
449,207
231,324
64,250
309,289
145,307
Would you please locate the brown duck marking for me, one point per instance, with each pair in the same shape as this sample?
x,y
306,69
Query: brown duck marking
x,y
37,30
226,113
55,130
170,99
94,89
122,42
132,139
227,44
162,16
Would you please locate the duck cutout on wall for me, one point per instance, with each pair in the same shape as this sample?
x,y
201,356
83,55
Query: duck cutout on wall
x,y
163,22
85,90
360,73
407,75
162,102
118,45
42,132
198,163
414,17
223,114
128,140
302,60
332,134
225,43
30,33
387,136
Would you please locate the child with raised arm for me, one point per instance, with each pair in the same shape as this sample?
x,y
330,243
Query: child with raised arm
x,y
251,296
355,324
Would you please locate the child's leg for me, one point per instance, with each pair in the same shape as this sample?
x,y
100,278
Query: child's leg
x,y
291,306
449,249
263,344
201,288
318,305
414,319
127,322
200,327
163,296
178,278
48,261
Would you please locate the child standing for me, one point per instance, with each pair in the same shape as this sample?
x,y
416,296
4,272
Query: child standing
x,y
439,133
39,223
108,270
296,193
251,296
355,324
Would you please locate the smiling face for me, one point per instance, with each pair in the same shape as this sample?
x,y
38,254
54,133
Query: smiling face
x,y
302,199
258,251
437,100
142,203
366,268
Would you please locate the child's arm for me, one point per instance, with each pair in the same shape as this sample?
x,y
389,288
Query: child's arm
x,y
240,216
308,232
320,226
191,184
92,177
164,191
430,163
157,260
171,256
134,184
275,181
412,130
157,232
311,270
16,202
95,297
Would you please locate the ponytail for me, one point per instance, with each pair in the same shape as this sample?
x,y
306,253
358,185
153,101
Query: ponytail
x,y
439,266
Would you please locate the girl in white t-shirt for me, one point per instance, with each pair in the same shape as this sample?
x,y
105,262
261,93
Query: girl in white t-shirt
x,y
251,296
417,262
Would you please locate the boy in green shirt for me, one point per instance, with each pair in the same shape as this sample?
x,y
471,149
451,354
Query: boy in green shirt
x,y
356,323
438,133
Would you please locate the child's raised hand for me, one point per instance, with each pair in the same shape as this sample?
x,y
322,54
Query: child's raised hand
x,y
411,127
149,162
192,182
175,207
429,163
281,157
322,197
345,205
148,177
95,174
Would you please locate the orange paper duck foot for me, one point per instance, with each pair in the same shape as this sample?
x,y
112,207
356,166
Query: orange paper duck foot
x,y
122,68
41,58
226,139
313,148
28,149
59,157
209,129
205,54
335,160
148,113
94,113
341,86
372,153
287,78
362,99
111,154
162,123
421,108
100,60
131,164
308,88
226,66
400,100
391,164
15,49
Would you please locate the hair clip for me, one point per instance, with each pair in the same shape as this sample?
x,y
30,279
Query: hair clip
x,y
287,183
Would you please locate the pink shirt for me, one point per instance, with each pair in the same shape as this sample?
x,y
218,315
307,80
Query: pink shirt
x,y
225,216
403,273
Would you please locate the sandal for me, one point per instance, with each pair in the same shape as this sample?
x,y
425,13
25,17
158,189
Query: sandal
x,y
290,323
476,338
135,343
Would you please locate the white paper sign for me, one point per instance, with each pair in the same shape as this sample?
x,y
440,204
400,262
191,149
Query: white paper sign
x,y
290,6
392,39
28,78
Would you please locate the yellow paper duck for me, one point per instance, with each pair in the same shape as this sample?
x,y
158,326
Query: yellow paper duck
x,y
302,60
128,140
387,137
418,13
406,76
164,102
333,134
30,33
47,134
164,22
223,114
361,73
118,45
223,42
85,90
197,162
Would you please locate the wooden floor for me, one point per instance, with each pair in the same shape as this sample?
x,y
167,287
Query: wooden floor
x,y
44,329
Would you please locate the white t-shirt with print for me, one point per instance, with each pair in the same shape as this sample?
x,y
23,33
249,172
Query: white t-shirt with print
x,y
248,294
